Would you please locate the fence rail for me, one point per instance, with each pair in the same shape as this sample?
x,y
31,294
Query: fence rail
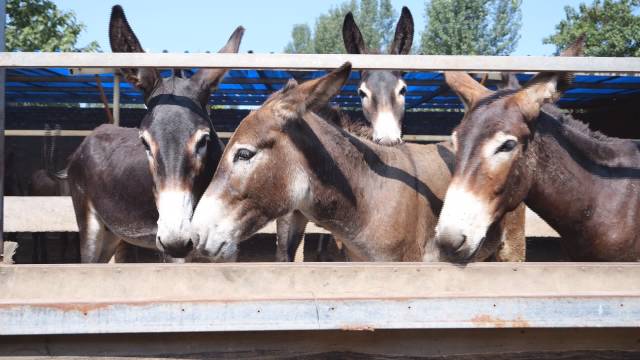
x,y
322,62
129,298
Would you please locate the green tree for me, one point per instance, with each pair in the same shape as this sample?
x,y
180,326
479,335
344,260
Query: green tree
x,y
471,27
301,41
612,28
375,18
38,25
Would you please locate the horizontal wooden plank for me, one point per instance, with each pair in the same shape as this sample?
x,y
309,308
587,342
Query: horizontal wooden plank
x,y
66,299
424,344
55,214
321,61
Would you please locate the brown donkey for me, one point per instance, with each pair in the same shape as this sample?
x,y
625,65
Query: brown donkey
x,y
290,155
382,93
512,148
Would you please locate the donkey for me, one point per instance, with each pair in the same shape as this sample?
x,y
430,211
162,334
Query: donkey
x,y
289,154
382,94
44,182
141,185
513,146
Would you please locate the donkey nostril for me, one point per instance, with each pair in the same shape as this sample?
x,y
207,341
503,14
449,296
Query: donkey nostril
x,y
222,244
190,244
461,244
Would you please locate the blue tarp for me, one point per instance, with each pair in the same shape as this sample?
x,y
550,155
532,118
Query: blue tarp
x,y
252,87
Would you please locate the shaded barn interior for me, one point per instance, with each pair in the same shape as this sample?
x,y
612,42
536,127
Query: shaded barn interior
x,y
48,97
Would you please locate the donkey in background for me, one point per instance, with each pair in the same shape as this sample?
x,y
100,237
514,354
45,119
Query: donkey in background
x,y
141,185
47,182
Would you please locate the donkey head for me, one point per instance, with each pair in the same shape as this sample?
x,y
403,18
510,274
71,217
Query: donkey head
x,y
176,133
492,175
262,174
382,92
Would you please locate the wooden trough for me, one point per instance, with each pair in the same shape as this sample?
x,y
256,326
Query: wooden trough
x,y
512,307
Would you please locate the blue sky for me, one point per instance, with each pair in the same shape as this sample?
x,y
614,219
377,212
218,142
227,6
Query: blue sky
x,y
200,25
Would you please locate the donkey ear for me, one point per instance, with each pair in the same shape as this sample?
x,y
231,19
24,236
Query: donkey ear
x,y
317,93
547,87
508,80
352,37
123,39
208,79
576,48
468,89
403,38
543,88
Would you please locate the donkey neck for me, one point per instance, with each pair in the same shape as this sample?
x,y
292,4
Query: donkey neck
x,y
575,174
338,166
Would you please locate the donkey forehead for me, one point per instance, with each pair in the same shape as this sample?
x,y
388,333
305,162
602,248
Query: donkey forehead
x,y
484,122
177,86
175,112
255,127
381,81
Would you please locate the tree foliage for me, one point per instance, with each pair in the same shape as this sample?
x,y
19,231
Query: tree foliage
x,y
375,19
38,25
471,27
301,40
610,26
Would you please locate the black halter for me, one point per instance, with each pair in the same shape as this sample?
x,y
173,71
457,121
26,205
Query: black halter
x,y
184,101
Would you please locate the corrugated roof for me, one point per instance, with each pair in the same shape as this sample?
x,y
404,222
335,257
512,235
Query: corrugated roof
x,y
252,87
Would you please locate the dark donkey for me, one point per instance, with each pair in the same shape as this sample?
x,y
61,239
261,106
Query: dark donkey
x,y
512,148
141,185
382,93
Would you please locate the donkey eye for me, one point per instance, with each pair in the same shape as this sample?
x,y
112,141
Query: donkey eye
x,y
147,148
403,91
243,155
201,145
362,94
507,146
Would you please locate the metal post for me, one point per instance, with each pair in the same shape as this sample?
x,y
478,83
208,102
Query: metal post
x,y
116,99
2,114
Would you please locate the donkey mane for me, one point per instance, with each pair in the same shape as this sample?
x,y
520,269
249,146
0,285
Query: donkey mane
x,y
497,95
359,128
602,149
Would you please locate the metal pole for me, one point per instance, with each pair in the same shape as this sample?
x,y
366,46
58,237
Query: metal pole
x,y
116,99
2,114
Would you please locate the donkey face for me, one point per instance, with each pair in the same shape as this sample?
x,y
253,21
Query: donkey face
x,y
261,176
382,92
177,135
492,175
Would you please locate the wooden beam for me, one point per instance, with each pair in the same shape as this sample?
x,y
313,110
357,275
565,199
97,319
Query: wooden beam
x,y
321,62
425,344
3,4
135,298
